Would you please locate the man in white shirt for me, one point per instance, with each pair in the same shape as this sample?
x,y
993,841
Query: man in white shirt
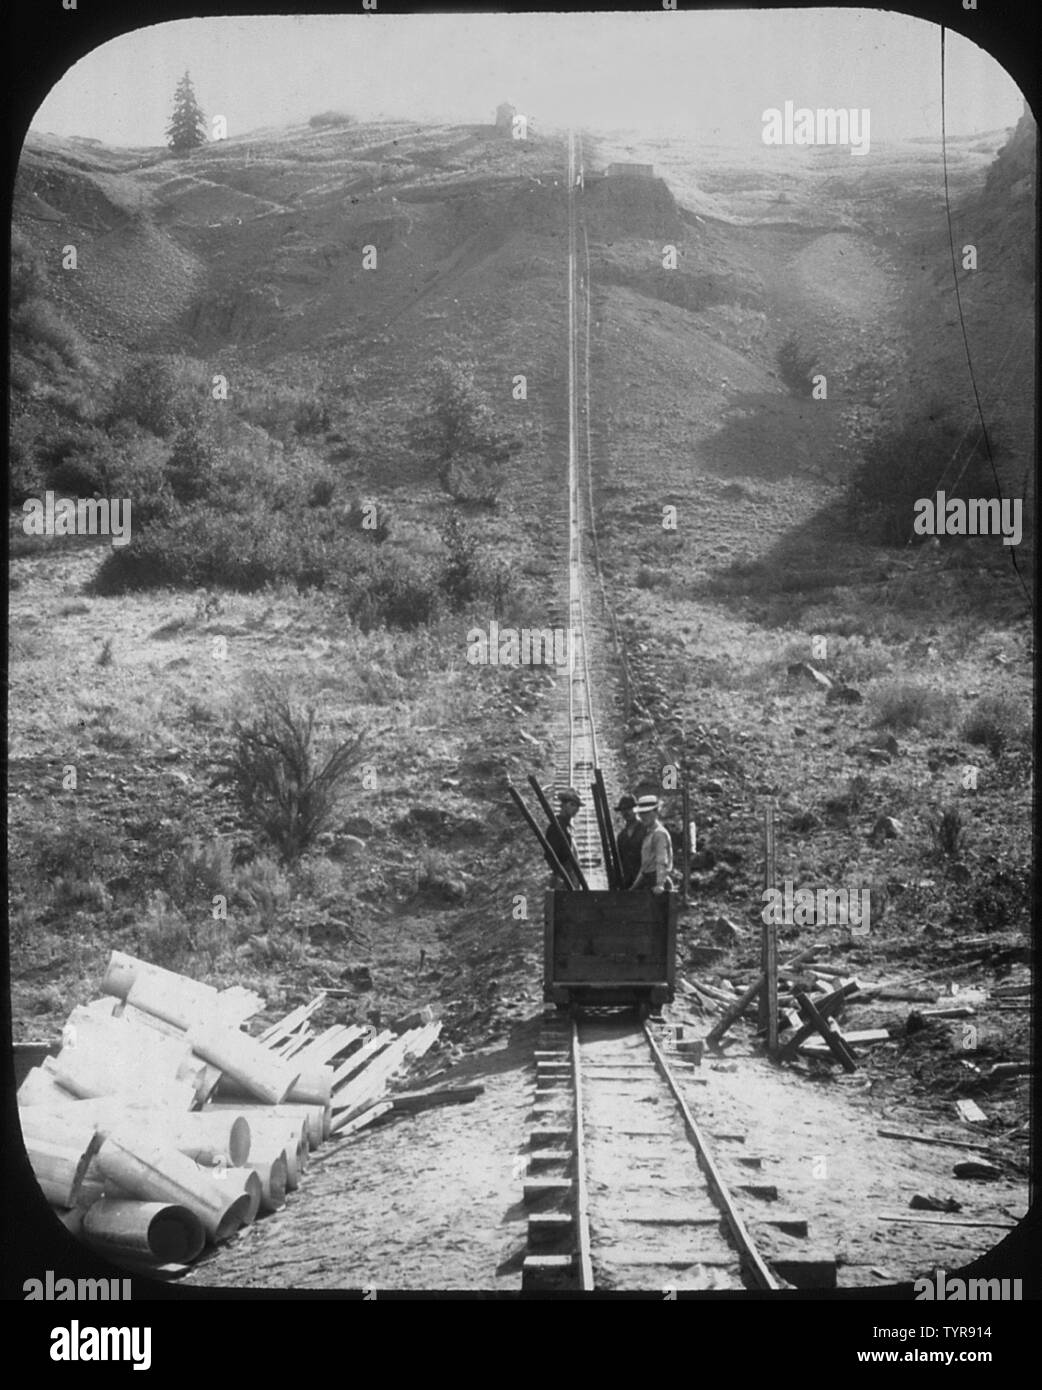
x,y
656,850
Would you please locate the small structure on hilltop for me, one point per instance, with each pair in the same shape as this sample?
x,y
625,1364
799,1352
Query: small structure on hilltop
x,y
505,114
630,171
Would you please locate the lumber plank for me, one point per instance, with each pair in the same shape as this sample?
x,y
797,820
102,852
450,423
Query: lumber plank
x,y
414,1101
911,1138
943,1221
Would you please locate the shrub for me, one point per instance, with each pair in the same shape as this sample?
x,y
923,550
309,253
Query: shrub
x,y
157,394
262,888
386,589
323,490
193,461
201,871
27,273
909,460
459,580
649,578
285,785
468,573
311,416
1003,900
164,935
24,474
947,827
796,366
37,324
204,546
908,705
78,851
455,433
997,722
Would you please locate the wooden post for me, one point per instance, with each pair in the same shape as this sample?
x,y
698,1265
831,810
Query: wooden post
x,y
768,1016
615,873
685,853
558,867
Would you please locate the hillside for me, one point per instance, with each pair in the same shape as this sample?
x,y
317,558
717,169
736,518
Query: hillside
x,y
246,261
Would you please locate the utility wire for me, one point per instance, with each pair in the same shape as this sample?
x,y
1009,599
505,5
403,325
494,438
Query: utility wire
x,y
962,321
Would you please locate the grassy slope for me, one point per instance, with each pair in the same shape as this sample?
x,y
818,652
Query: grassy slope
x,y
146,731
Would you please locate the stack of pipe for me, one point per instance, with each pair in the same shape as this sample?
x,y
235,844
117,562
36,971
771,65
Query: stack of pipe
x,y
161,1126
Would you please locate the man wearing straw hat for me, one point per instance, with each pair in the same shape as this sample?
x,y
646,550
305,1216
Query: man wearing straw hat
x,y
656,850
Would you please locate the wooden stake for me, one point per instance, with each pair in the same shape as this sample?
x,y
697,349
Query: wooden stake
x,y
615,875
685,859
769,940
544,843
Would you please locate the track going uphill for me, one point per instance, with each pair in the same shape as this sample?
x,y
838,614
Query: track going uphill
x,y
622,1191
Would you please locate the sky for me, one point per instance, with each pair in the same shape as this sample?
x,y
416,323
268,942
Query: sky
x,y
709,74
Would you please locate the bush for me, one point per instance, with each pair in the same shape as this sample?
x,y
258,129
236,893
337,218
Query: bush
x,y
209,547
796,366
193,461
947,827
27,273
164,935
262,888
286,786
910,460
387,589
323,490
459,580
201,871
157,394
907,705
311,416
37,324
455,434
78,851
469,574
997,722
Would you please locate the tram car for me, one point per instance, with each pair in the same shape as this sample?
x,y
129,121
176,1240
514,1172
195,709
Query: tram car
x,y
603,947
610,948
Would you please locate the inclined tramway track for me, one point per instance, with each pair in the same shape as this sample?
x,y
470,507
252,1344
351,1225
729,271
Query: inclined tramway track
x,y
622,1190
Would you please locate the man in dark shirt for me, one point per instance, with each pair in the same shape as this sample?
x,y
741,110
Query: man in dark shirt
x,y
559,836
629,840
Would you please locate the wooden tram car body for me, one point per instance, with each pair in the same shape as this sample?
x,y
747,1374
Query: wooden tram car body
x,y
610,948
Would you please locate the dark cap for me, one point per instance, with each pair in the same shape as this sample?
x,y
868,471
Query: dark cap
x,y
626,803
570,794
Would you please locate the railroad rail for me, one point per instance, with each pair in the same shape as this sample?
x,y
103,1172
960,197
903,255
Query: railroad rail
x,y
622,1190
580,753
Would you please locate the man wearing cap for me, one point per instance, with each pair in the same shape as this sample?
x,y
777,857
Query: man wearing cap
x,y
656,850
629,840
559,836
